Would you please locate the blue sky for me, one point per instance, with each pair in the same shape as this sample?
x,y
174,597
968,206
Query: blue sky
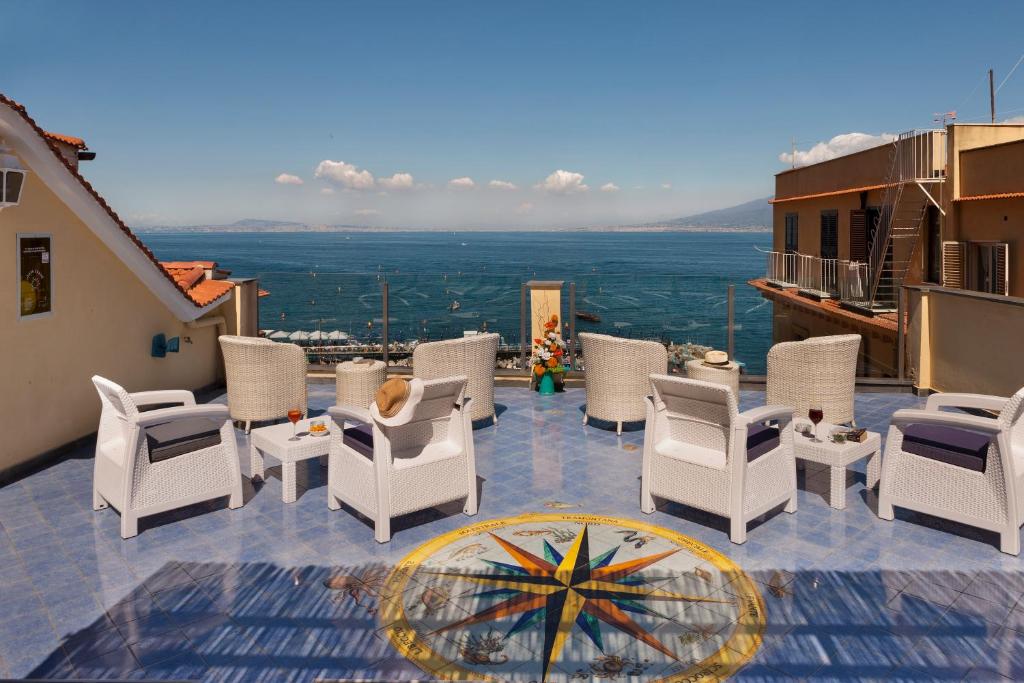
x,y
195,108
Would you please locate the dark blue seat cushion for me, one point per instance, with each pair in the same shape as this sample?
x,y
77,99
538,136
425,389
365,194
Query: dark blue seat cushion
x,y
359,439
952,445
171,439
760,439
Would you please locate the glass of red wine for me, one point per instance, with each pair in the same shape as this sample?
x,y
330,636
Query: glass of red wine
x,y
815,415
293,416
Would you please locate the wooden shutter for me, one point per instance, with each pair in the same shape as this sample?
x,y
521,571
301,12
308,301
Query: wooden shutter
x,y
1002,258
953,262
858,235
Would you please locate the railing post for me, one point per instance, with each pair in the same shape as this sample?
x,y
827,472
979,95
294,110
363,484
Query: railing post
x,y
572,325
523,333
384,323
901,335
730,311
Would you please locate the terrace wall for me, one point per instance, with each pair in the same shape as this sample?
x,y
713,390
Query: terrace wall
x,y
103,321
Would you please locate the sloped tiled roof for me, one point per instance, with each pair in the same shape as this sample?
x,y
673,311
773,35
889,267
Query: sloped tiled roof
x,y
66,139
1001,195
191,276
834,193
49,138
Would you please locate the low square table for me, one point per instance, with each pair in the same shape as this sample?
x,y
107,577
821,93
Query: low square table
x,y
838,456
274,441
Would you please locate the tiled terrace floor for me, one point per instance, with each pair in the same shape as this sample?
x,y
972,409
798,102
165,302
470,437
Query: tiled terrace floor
x,y
237,595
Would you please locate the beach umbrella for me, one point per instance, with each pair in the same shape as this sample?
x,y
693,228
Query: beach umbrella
x,y
337,335
318,335
266,333
299,335
280,334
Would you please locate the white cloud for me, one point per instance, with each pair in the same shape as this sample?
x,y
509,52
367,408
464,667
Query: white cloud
x,y
502,185
346,175
524,208
609,187
563,182
666,186
840,145
326,190
463,183
1014,119
399,181
288,179
364,213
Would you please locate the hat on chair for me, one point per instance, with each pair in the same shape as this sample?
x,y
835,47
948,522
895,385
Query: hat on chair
x,y
396,400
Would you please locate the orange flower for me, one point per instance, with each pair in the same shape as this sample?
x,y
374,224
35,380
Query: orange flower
x,y
552,362
536,341
558,353
538,369
554,319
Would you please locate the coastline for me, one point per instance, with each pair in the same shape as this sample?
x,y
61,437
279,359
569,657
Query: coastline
x,y
166,230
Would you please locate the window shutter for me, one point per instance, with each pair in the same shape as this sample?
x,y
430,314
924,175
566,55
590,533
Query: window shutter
x,y
953,265
1002,256
858,235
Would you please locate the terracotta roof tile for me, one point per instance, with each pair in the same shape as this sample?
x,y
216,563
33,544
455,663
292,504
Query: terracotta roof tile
x,y
834,193
189,264
96,195
1001,195
208,291
66,139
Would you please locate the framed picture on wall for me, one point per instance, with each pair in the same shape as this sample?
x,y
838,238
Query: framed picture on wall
x,y
35,275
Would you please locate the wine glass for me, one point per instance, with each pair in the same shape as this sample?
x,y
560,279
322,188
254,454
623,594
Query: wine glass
x,y
815,415
293,416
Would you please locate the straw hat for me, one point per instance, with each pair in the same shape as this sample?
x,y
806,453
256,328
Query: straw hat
x,y
716,358
396,400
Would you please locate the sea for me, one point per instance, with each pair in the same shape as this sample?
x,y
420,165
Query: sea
x,y
668,286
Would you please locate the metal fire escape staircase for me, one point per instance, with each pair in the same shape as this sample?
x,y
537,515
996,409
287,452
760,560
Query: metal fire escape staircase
x,y
915,177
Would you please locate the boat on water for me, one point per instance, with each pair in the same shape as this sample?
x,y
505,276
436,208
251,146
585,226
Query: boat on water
x,y
455,305
587,316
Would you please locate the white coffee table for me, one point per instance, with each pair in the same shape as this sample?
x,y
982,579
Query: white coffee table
x,y
838,456
274,441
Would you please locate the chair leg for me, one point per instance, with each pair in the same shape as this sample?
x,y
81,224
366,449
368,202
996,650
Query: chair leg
x,y
332,502
885,510
237,499
495,416
129,525
382,530
791,505
584,418
737,530
618,428
97,501
248,423
646,499
1009,541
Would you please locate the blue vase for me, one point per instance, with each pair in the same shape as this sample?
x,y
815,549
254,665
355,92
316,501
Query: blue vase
x,y
547,384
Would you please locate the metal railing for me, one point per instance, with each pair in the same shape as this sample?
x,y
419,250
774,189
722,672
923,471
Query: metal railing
x,y
817,275
853,283
781,268
920,156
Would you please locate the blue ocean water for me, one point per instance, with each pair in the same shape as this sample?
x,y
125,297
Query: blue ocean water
x,y
667,286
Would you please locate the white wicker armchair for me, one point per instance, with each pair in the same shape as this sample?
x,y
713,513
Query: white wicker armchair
x,y
473,357
162,459
618,376
385,471
961,467
265,379
820,369
701,452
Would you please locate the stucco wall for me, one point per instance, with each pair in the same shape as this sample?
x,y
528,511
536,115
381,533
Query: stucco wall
x,y
102,323
1000,220
861,169
992,170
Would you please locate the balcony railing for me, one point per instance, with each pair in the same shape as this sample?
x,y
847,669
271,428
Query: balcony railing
x,y
817,276
853,282
781,268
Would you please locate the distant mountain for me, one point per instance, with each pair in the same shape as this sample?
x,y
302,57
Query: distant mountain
x,y
752,214
258,224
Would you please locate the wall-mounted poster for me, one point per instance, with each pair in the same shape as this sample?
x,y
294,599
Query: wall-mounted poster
x,y
35,279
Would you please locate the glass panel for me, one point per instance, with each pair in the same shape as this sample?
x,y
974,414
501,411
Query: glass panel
x,y
14,180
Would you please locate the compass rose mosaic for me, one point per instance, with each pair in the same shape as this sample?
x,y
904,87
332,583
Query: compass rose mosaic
x,y
571,597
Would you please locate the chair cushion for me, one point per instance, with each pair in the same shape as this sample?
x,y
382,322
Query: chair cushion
x,y
952,445
359,439
761,439
172,439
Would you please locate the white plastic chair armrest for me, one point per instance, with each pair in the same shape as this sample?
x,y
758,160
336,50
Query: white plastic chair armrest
x,y
341,413
902,418
976,401
148,398
464,406
212,411
765,413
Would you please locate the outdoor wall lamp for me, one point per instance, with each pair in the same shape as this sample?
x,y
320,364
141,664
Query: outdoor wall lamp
x,y
12,178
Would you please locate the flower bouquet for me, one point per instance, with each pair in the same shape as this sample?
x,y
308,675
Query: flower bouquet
x,y
548,352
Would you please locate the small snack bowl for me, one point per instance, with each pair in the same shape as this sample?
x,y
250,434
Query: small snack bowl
x,y
318,428
838,435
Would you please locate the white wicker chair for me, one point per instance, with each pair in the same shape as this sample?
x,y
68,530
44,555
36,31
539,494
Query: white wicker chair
x,y
474,357
423,463
162,459
265,379
698,452
989,499
618,376
819,369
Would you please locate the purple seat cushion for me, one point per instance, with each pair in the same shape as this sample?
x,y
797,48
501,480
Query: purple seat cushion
x,y
952,445
359,439
760,439
171,439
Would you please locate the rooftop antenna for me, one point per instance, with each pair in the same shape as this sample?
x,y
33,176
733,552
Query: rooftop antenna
x,y
992,95
792,156
943,117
